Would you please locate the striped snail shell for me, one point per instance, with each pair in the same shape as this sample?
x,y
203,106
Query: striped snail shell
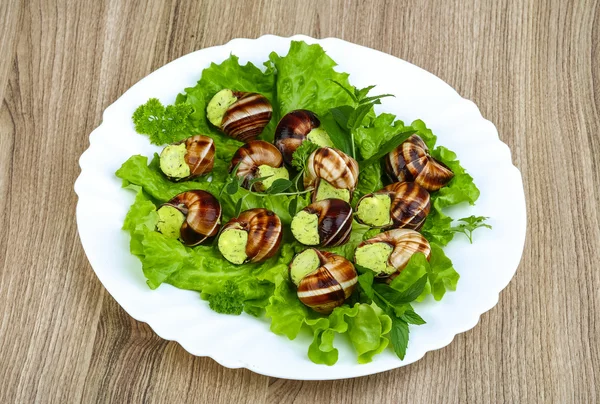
x,y
325,280
389,252
188,159
406,205
252,157
292,130
201,212
333,166
245,114
327,223
411,161
263,234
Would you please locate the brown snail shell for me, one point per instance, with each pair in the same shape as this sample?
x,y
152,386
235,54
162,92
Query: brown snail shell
x,y
329,285
410,205
411,161
333,166
251,156
292,130
264,232
246,118
199,156
334,223
202,212
405,243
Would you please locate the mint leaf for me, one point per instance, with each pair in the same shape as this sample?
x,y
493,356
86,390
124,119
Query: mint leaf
x,y
399,336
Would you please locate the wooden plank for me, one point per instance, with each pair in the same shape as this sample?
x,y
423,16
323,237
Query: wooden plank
x,y
532,67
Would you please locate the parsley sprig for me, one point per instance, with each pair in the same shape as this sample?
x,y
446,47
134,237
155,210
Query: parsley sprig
x,y
162,124
470,224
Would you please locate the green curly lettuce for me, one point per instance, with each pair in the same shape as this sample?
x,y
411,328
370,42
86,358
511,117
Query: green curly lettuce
x,y
441,275
305,80
377,315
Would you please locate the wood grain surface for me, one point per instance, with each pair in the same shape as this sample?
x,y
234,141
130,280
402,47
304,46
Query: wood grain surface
x,y
533,68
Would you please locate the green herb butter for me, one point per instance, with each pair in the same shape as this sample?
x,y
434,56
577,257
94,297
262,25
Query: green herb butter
x,y
319,137
172,161
303,264
273,174
327,191
305,228
232,244
375,257
217,106
375,210
169,221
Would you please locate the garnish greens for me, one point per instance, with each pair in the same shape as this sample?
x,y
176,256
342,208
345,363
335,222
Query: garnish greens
x,y
162,124
469,224
229,300
376,315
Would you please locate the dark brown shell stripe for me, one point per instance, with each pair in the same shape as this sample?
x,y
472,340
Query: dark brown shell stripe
x,y
333,166
264,232
320,291
405,243
327,287
411,162
335,221
202,211
200,154
264,236
247,117
292,130
410,205
252,155
343,271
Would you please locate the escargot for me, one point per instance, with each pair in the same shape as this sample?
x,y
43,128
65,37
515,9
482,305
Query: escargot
x,y
326,223
253,236
332,173
388,253
324,280
191,217
411,161
400,205
189,158
258,159
241,115
296,127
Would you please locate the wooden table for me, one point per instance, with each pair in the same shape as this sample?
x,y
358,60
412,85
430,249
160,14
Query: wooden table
x,y
533,68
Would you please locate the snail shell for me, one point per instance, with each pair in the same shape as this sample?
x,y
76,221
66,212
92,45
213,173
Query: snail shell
x,y
329,285
409,207
264,232
292,130
333,166
404,243
202,212
334,223
411,162
199,156
246,118
251,156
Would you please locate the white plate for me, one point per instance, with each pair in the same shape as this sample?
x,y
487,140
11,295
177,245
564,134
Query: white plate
x,y
485,267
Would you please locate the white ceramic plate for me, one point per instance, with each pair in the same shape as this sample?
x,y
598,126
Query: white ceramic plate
x,y
485,267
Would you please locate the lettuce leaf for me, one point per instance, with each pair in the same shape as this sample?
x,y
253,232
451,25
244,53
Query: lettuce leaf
x,y
369,139
201,268
149,177
140,217
441,275
365,325
369,181
304,80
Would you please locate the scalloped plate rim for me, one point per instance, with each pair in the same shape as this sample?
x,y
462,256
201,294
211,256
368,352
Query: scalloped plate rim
x,y
223,359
